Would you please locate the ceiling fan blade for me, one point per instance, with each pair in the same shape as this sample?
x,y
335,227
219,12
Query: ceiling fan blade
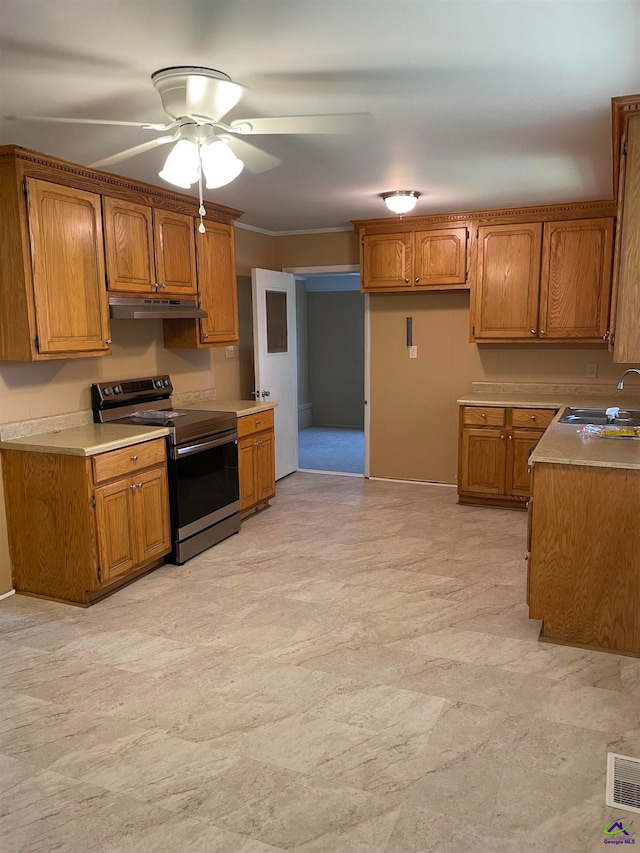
x,y
337,123
255,159
61,120
133,152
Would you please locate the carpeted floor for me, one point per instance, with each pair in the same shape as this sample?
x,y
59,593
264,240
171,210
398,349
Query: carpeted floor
x,y
331,449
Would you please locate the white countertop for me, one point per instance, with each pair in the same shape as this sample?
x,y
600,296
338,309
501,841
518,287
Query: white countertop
x,y
239,407
86,440
550,400
562,444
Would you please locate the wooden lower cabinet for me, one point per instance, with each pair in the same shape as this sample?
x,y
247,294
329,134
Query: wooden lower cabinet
x,y
80,526
583,561
256,460
131,516
495,444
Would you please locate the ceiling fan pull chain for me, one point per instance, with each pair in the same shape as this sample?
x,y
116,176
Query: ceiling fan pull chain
x,y
201,209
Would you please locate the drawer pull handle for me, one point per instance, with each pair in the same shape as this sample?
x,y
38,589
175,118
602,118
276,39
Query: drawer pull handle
x,y
258,422
533,331
134,458
482,415
502,437
134,486
532,418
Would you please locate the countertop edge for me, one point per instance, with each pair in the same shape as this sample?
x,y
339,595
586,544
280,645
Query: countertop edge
x,y
85,441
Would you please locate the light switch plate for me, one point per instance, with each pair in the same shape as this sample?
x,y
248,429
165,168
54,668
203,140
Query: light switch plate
x,y
592,370
229,352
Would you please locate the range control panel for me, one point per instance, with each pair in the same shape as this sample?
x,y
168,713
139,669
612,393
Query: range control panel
x,y
118,393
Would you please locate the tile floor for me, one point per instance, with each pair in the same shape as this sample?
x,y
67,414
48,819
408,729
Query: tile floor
x,y
354,672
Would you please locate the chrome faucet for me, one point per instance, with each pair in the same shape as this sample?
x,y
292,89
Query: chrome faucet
x,y
630,370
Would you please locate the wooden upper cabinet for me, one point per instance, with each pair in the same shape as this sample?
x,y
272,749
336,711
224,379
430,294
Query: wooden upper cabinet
x,y
440,257
218,294
128,234
386,261
175,253
626,280
217,283
506,294
576,277
65,227
149,250
415,260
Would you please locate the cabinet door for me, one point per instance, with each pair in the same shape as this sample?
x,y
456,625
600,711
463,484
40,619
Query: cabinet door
x,y
626,345
67,253
217,285
506,299
247,472
386,261
116,534
175,253
151,506
265,467
128,235
520,443
483,461
440,257
576,279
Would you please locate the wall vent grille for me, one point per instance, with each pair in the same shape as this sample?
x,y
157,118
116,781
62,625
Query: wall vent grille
x,y
623,782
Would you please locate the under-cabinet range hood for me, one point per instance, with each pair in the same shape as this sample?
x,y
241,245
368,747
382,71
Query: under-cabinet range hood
x,y
125,308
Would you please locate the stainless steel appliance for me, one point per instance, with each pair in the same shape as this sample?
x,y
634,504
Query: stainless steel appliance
x,y
202,458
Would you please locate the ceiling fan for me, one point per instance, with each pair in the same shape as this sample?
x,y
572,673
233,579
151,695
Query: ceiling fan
x,y
196,99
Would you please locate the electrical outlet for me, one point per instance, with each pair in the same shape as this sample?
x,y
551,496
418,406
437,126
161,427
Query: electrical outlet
x,y
592,370
413,352
229,352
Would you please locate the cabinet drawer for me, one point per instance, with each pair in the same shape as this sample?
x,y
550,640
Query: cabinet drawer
x,y
532,417
118,463
249,424
483,415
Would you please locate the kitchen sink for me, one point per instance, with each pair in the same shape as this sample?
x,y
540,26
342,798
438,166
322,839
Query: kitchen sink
x,y
625,417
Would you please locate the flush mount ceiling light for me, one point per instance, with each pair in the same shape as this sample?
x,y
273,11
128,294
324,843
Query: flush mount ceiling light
x,y
400,201
199,151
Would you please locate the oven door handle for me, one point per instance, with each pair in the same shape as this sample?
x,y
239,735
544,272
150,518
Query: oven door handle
x,y
181,452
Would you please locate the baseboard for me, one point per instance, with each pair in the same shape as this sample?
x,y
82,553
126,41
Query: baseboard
x,y
305,415
7,594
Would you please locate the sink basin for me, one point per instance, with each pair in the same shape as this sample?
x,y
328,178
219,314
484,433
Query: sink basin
x,y
625,417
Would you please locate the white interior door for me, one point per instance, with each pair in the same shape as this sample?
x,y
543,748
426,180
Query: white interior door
x,y
276,358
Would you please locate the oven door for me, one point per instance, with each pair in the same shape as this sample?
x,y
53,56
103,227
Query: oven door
x,y
205,489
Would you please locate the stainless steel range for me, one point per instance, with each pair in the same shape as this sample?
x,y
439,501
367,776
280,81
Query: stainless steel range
x,y
202,458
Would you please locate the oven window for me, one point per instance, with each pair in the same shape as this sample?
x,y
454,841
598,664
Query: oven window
x,y
204,482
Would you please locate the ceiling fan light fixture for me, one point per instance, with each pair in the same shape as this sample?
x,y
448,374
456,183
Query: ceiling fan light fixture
x,y
219,164
182,166
400,201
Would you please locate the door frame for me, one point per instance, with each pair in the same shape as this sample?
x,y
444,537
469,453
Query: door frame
x,y
338,269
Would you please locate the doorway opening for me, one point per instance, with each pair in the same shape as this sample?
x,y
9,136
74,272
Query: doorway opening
x,y
330,312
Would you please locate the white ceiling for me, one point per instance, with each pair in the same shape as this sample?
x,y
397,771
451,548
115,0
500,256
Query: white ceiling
x,y
475,103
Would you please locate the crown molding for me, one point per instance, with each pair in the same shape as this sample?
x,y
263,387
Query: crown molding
x,y
268,233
